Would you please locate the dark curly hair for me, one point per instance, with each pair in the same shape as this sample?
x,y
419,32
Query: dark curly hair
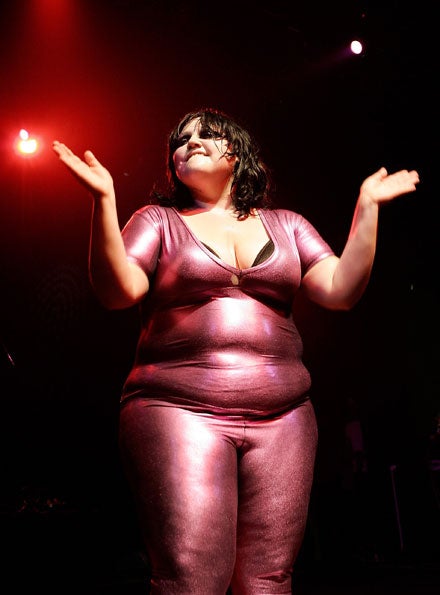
x,y
251,182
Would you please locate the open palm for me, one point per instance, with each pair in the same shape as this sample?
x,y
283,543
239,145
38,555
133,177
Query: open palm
x,y
381,186
89,172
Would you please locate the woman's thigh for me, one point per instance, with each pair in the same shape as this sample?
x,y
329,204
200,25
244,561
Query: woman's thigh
x,y
183,473
275,475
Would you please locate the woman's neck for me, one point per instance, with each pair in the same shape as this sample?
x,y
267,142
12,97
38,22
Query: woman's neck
x,y
210,195
208,205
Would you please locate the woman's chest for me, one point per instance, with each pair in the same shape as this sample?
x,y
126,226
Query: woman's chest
x,y
187,268
235,242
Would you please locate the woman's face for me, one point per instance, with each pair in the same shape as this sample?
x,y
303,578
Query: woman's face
x,y
201,151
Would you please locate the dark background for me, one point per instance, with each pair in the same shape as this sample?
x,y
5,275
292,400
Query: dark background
x,y
115,76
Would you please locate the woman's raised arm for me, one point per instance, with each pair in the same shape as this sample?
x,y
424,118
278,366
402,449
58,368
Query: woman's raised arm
x,y
338,283
116,282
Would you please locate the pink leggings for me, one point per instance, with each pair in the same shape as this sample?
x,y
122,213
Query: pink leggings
x,y
222,501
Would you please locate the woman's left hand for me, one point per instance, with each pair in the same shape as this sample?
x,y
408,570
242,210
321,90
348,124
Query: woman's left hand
x,y
382,186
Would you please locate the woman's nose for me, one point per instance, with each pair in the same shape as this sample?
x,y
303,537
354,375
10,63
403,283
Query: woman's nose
x,y
194,141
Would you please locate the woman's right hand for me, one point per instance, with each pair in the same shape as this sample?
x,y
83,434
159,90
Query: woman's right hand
x,y
89,172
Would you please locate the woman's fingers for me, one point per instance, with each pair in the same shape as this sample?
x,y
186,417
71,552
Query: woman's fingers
x,y
89,171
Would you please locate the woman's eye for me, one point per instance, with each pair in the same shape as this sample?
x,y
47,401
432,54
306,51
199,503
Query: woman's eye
x,y
181,140
208,133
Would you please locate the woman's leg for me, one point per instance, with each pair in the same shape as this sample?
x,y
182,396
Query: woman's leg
x,y
183,477
275,473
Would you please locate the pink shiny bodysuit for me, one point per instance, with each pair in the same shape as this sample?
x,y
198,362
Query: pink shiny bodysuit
x,y
217,433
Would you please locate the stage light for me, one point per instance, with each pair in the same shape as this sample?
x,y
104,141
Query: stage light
x,y
26,145
356,47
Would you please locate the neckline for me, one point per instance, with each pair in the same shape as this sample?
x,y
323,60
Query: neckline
x,y
218,260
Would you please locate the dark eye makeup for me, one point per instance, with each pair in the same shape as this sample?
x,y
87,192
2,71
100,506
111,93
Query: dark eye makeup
x,y
204,133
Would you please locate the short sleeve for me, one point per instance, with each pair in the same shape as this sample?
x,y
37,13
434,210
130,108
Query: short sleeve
x,y
142,238
311,246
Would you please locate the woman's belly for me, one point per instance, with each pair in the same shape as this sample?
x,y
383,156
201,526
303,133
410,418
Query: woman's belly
x,y
232,354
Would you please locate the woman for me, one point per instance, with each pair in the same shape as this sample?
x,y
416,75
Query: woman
x,y
217,432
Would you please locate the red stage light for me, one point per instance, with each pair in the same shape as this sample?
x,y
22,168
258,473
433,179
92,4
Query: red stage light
x,y
26,145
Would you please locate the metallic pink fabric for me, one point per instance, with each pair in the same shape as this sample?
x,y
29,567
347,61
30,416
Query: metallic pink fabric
x,y
221,499
216,338
217,434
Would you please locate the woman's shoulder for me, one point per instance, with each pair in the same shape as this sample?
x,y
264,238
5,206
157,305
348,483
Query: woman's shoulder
x,y
283,215
153,211
149,215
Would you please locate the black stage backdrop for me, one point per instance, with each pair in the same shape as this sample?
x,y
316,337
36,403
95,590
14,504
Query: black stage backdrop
x,y
115,76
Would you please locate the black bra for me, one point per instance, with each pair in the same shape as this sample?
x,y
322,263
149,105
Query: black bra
x,y
262,255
